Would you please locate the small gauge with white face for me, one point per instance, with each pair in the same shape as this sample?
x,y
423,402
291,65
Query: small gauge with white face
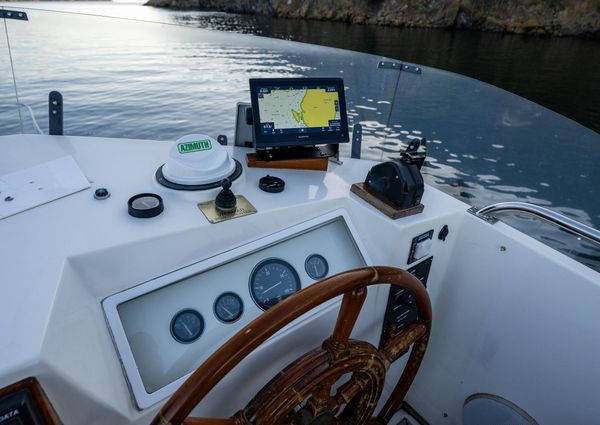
x,y
316,266
187,326
228,307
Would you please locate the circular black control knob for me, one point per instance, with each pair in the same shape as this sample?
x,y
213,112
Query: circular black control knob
x,y
271,184
101,194
226,200
405,298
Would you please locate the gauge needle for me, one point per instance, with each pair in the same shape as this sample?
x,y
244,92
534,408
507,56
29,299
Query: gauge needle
x,y
227,311
274,286
316,270
187,329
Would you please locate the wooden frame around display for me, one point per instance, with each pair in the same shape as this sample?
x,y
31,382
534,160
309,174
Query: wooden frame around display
x,y
38,396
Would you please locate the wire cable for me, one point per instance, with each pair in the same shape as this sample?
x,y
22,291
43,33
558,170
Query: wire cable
x,y
13,72
35,124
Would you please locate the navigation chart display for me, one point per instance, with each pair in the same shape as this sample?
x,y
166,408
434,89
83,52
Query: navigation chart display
x,y
299,109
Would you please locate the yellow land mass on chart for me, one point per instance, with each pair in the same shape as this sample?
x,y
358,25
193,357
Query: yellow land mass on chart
x,y
318,107
297,116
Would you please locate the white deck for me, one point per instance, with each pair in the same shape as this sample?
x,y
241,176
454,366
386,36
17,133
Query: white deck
x,y
520,322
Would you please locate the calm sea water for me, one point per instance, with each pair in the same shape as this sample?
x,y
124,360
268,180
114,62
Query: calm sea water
x,y
562,74
131,79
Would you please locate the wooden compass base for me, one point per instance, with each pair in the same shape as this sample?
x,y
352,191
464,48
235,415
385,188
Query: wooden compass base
x,y
317,164
382,204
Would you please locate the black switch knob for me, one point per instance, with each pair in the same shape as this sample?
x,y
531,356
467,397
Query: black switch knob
x,y
101,193
404,298
226,200
443,233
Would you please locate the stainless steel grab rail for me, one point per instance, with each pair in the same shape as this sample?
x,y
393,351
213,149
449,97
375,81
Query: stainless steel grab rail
x,y
543,213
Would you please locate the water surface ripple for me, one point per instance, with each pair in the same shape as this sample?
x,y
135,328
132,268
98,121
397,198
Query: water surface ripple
x,y
129,79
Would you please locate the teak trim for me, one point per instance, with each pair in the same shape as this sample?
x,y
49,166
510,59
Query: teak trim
x,y
382,204
315,164
43,405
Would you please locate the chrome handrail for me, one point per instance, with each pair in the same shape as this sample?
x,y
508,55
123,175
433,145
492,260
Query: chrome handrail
x,y
560,220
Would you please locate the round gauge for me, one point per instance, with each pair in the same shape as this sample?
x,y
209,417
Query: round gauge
x,y
145,205
187,326
272,281
316,266
228,307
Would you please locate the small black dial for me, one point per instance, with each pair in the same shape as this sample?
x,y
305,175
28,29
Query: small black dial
x,y
228,307
316,266
272,281
187,326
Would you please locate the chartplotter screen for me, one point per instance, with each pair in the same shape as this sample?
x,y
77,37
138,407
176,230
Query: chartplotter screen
x,y
299,111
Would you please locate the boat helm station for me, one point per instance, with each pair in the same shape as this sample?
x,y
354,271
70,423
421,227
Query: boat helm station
x,y
210,281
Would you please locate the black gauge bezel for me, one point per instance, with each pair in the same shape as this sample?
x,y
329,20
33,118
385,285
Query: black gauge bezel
x,y
311,256
262,264
220,319
146,213
180,313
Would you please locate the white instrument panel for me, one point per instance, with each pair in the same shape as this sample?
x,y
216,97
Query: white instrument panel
x,y
145,320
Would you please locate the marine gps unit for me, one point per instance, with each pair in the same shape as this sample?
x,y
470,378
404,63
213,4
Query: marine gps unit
x,y
293,115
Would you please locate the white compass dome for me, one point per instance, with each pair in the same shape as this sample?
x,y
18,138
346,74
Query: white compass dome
x,y
198,159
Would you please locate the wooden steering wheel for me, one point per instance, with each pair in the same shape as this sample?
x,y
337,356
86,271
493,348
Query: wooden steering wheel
x,y
301,393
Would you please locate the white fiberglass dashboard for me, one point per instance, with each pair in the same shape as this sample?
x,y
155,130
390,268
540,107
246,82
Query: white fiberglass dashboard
x,y
165,328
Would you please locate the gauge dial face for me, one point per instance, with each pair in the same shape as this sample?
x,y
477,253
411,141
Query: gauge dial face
x,y
228,307
272,281
187,326
316,266
145,203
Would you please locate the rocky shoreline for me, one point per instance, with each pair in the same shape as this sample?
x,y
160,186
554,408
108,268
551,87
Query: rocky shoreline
x,y
547,17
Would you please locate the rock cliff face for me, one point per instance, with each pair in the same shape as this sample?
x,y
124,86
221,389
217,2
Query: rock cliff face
x,y
552,17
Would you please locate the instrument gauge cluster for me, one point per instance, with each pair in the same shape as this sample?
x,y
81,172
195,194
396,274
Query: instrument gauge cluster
x,y
272,280
177,319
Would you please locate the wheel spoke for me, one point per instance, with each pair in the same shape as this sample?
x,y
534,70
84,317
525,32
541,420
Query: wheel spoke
x,y
348,391
211,421
410,371
321,398
399,344
349,411
349,311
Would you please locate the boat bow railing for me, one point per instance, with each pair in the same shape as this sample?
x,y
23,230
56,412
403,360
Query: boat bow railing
x,y
574,226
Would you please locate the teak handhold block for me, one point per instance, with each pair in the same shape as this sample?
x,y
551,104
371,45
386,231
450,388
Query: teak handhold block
x,y
319,164
382,204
